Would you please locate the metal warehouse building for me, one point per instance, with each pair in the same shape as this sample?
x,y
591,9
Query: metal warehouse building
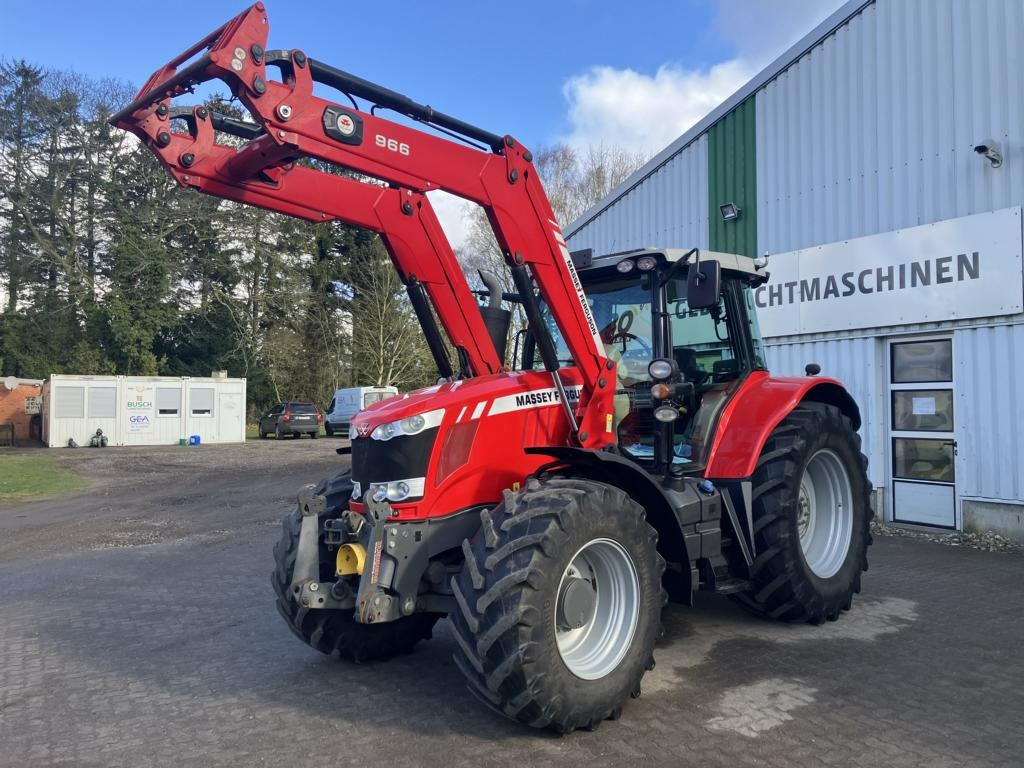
x,y
881,162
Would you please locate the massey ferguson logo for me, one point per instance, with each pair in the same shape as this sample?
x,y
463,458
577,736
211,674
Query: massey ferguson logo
x,y
362,429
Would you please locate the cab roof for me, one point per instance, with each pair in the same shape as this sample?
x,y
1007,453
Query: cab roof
x,y
730,262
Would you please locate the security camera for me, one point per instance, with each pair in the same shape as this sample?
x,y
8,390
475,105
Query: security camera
x,y
989,149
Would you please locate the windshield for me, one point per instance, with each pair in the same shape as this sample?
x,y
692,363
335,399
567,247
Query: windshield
x,y
375,397
701,344
622,309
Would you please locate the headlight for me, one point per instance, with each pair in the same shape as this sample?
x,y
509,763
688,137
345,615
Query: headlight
x,y
410,425
352,434
398,490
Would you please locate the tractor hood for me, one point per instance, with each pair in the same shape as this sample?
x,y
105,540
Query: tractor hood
x,y
474,398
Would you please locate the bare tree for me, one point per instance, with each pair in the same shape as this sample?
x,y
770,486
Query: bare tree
x,y
387,342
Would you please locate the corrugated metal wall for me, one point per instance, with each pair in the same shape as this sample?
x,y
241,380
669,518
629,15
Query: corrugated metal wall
x,y
989,409
732,178
858,364
668,209
874,128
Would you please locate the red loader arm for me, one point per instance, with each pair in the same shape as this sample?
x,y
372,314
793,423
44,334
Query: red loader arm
x,y
292,123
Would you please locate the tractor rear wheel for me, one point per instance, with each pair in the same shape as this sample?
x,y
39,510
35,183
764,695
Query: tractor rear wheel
x,y
559,604
811,514
335,631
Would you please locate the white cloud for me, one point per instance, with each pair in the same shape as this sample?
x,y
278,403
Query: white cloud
x,y
451,212
643,113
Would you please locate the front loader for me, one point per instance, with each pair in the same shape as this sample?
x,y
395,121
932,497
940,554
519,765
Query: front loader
x,y
634,449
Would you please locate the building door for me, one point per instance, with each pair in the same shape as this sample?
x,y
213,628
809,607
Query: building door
x,y
922,432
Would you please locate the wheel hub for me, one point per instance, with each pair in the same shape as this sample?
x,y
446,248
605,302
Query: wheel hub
x,y
576,602
597,609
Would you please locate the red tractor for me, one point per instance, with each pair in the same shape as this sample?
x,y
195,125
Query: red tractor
x,y
634,450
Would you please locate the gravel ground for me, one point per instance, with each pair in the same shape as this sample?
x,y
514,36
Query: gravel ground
x,y
138,628
986,542
161,494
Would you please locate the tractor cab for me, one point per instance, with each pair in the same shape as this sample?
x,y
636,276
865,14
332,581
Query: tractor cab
x,y
680,328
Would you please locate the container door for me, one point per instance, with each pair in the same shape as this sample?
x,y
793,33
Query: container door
x,y
922,432
230,421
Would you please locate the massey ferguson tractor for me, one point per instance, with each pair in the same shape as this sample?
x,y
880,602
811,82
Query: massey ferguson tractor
x,y
631,447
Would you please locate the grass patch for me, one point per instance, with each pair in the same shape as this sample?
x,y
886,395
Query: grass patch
x,y
26,476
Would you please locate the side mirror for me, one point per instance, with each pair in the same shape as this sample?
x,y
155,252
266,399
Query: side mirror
x,y
703,284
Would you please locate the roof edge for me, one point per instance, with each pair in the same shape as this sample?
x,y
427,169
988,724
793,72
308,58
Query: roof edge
x,y
841,15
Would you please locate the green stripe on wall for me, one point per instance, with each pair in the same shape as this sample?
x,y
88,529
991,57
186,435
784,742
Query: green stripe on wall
x,y
732,178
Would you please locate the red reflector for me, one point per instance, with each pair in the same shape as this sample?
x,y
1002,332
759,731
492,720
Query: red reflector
x,y
455,451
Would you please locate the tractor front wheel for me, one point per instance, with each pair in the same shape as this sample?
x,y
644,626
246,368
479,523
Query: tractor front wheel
x,y
559,604
811,514
335,631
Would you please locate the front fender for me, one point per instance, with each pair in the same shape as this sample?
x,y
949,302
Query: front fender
x,y
761,402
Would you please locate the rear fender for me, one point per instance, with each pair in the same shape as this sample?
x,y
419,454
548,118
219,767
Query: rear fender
x,y
759,405
644,489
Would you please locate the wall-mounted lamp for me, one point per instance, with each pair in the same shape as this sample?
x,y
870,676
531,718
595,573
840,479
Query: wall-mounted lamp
x,y
730,211
989,149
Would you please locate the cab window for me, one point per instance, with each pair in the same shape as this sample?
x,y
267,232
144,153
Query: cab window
x,y
701,344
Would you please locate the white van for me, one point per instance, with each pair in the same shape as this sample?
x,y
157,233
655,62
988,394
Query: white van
x,y
346,403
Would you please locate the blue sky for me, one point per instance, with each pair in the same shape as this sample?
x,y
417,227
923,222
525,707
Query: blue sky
x,y
632,75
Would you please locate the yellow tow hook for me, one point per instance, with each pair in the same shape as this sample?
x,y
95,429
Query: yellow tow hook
x,y
350,559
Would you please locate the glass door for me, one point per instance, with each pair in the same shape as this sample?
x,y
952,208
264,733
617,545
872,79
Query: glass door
x,y
922,431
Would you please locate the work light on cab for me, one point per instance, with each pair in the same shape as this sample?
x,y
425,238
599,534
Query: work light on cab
x,y
661,369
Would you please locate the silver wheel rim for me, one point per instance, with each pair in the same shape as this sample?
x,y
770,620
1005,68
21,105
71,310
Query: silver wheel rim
x,y
594,649
824,516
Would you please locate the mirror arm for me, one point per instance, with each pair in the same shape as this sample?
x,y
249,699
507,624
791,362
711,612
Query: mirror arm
x,y
675,268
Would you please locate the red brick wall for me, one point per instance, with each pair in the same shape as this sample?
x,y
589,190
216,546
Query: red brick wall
x,y
12,408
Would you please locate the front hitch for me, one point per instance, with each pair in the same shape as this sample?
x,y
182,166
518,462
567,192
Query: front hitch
x,y
306,586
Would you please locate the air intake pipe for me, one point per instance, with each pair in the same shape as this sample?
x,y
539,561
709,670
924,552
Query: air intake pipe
x,y
495,318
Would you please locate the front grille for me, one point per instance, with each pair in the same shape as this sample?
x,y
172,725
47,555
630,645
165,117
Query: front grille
x,y
381,461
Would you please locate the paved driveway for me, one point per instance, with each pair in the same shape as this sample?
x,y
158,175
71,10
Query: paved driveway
x,y
137,628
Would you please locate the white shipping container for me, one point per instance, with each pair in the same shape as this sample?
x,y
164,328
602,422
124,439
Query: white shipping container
x,y
142,410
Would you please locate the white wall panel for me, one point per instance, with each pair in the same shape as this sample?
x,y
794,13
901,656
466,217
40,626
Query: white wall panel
x,y
858,364
667,209
989,411
873,128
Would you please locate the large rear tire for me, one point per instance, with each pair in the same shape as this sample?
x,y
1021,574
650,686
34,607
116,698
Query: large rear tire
x,y
559,604
812,514
336,632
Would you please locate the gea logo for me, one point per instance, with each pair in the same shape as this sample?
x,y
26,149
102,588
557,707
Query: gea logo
x,y
390,144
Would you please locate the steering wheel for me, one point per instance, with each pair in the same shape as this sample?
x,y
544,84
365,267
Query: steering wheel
x,y
625,336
